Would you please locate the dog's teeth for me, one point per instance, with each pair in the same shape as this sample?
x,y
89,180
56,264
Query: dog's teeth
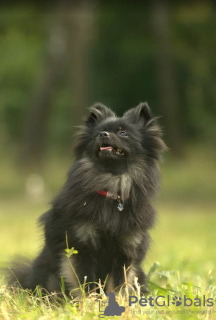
x,y
119,151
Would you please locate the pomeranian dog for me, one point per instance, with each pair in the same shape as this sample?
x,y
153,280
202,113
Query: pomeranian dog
x,y
104,209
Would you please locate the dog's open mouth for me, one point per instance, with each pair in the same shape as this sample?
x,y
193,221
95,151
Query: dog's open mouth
x,y
106,147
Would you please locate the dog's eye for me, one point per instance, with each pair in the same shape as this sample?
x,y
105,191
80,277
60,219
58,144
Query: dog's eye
x,y
123,133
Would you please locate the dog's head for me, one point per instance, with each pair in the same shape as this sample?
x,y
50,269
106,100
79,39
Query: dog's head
x,y
112,141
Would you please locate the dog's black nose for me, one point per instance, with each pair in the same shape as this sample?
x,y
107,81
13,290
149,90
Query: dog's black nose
x,y
104,134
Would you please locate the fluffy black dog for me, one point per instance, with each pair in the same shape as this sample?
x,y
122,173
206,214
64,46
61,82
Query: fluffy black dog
x,y
104,208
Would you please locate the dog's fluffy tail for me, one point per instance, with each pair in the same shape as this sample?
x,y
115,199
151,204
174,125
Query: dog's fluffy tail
x,y
18,273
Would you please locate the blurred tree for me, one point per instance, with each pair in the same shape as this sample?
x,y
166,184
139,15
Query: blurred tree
x,y
36,124
68,42
79,22
167,83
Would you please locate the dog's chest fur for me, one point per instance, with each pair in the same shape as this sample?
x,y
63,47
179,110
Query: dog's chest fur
x,y
92,179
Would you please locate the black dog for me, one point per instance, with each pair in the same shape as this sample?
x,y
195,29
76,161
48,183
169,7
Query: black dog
x,y
104,208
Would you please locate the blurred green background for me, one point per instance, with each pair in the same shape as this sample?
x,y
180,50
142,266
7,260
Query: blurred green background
x,y
58,59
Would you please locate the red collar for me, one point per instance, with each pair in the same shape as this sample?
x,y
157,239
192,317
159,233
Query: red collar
x,y
107,194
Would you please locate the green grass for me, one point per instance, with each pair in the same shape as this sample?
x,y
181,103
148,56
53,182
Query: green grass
x,y
183,244
183,241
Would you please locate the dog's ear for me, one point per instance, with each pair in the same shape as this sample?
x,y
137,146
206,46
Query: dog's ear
x,y
98,112
140,114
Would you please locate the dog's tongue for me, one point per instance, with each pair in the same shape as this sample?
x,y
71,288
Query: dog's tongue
x,y
106,148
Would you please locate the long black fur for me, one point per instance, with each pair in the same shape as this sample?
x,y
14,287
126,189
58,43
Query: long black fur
x,y
106,239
